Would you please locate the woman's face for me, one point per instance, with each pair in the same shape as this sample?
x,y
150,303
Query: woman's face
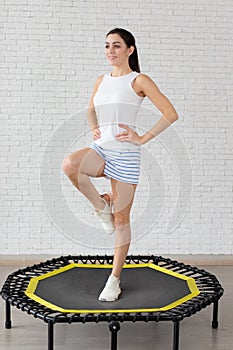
x,y
117,53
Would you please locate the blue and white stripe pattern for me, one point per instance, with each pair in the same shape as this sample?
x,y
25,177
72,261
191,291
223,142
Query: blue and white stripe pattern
x,y
120,165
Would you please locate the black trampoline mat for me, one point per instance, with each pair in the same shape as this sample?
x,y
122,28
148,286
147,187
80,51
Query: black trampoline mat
x,y
143,288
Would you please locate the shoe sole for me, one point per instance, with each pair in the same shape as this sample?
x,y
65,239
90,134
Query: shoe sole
x,y
102,299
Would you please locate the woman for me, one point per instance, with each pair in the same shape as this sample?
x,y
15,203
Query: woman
x,y
115,151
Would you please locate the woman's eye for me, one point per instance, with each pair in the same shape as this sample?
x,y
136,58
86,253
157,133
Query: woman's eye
x,y
106,47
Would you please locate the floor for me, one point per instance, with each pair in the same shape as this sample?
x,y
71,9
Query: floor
x,y
196,332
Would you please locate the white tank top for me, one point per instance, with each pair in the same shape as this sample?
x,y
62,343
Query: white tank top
x,y
116,102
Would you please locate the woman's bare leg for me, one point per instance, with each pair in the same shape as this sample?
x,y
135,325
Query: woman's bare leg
x,y
123,196
79,166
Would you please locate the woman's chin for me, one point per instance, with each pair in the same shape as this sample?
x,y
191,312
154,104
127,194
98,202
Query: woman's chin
x,y
111,63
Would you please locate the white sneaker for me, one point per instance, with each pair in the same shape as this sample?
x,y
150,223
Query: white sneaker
x,y
106,217
111,290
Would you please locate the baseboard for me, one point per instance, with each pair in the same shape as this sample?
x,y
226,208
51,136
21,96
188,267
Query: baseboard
x,y
196,260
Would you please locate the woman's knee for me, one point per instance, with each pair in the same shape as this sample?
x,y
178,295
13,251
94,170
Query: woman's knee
x,y
68,166
121,219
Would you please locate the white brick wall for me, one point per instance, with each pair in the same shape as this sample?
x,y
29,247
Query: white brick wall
x,y
51,55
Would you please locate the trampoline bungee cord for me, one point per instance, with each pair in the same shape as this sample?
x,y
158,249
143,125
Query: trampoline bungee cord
x,y
154,288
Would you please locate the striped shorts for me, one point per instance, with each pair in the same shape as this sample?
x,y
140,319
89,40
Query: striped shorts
x,y
120,165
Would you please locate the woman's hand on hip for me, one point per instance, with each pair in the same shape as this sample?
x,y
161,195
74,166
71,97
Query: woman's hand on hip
x,y
96,134
129,135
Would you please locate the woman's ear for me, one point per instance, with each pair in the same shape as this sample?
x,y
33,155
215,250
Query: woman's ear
x,y
132,50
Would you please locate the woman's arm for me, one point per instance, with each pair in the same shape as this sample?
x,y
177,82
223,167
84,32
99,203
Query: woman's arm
x,y
91,114
151,90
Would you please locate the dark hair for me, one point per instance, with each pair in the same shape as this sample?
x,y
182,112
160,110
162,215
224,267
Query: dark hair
x,y
129,41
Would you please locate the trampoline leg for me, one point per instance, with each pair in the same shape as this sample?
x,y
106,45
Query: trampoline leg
x,y
215,315
114,327
50,335
8,315
176,335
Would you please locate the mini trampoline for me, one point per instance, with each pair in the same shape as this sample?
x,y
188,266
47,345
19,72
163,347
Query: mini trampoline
x,y
154,288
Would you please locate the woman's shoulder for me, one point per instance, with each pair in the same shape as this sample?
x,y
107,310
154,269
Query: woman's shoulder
x,y
99,80
143,76
143,79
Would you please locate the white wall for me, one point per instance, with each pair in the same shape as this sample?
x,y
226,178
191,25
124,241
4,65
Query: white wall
x,y
51,55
